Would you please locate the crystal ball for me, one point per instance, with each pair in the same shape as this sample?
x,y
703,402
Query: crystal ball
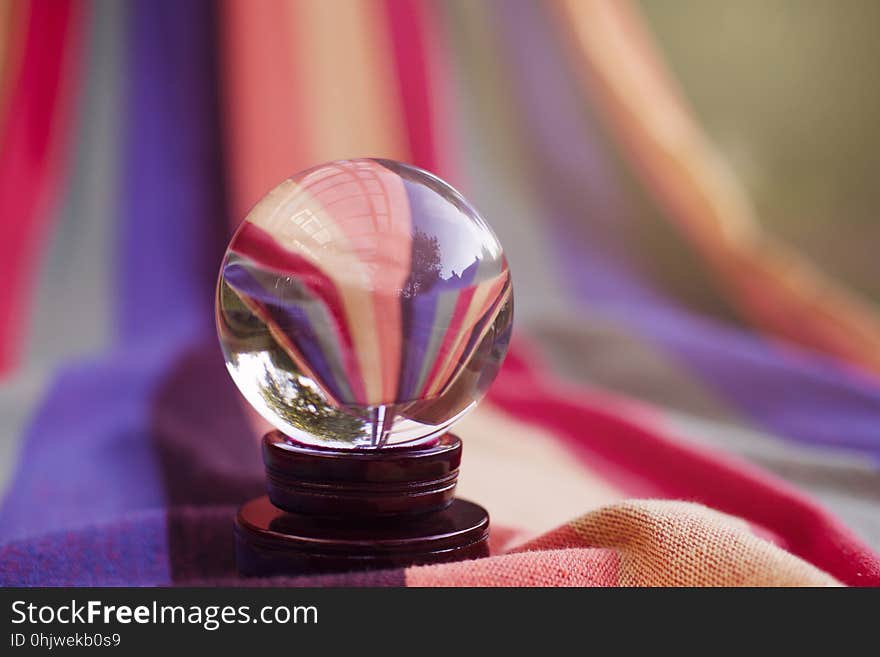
x,y
364,304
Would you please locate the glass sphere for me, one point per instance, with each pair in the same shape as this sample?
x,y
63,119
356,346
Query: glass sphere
x,y
364,304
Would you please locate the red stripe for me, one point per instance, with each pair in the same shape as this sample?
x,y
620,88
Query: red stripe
x,y
31,147
407,25
600,426
461,307
454,363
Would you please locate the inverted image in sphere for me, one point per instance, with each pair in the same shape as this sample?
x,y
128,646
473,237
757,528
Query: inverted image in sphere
x,y
364,304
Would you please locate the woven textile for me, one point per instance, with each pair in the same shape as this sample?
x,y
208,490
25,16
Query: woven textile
x,y
635,436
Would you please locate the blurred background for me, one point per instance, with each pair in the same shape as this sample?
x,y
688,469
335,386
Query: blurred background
x,y
686,192
785,93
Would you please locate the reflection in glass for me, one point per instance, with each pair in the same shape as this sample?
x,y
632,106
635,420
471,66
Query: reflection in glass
x,y
364,303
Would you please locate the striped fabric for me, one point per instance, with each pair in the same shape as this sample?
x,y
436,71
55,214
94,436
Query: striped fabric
x,y
631,438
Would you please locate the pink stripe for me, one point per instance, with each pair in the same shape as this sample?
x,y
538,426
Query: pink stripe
x,y
31,145
266,129
406,21
630,435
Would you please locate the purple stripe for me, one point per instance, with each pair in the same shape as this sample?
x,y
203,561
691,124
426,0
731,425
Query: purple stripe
x,y
128,552
418,324
580,198
177,224
419,310
203,555
293,322
155,420
800,396
174,213
428,279
86,456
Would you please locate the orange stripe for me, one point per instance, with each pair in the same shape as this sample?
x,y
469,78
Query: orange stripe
x,y
308,82
349,95
391,262
776,287
353,109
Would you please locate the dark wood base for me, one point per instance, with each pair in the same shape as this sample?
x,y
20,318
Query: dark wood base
x,y
363,483
342,510
269,541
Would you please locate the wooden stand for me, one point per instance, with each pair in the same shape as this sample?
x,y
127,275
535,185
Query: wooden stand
x,y
338,510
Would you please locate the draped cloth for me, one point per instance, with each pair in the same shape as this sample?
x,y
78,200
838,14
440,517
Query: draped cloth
x,y
633,436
